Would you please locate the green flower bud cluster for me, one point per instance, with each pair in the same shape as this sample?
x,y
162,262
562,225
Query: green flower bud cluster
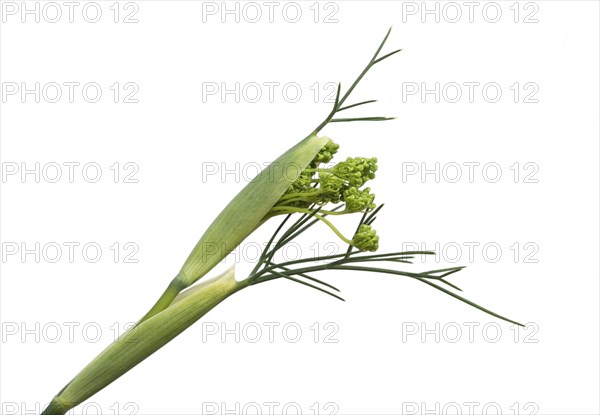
x,y
303,183
326,154
366,239
359,200
357,171
341,183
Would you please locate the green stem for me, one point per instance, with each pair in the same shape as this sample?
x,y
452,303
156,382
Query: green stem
x,y
319,170
287,209
292,196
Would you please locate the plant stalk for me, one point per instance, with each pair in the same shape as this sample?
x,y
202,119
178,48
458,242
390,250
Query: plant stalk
x,y
143,340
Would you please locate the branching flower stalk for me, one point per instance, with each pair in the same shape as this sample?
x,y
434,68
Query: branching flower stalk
x,y
314,191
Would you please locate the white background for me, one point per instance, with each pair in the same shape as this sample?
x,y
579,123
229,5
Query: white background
x,y
173,133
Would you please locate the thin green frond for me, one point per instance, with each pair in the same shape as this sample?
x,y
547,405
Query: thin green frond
x,y
471,303
308,277
356,105
362,119
289,277
340,101
387,56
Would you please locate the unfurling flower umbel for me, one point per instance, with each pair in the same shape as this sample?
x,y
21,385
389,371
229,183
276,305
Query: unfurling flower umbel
x,y
319,185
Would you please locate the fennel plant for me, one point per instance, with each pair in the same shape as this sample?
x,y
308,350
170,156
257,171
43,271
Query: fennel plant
x,y
314,192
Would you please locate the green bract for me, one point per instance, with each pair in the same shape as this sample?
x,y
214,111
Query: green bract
x,y
248,209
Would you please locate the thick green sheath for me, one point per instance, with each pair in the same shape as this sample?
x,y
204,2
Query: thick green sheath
x,y
241,216
146,338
